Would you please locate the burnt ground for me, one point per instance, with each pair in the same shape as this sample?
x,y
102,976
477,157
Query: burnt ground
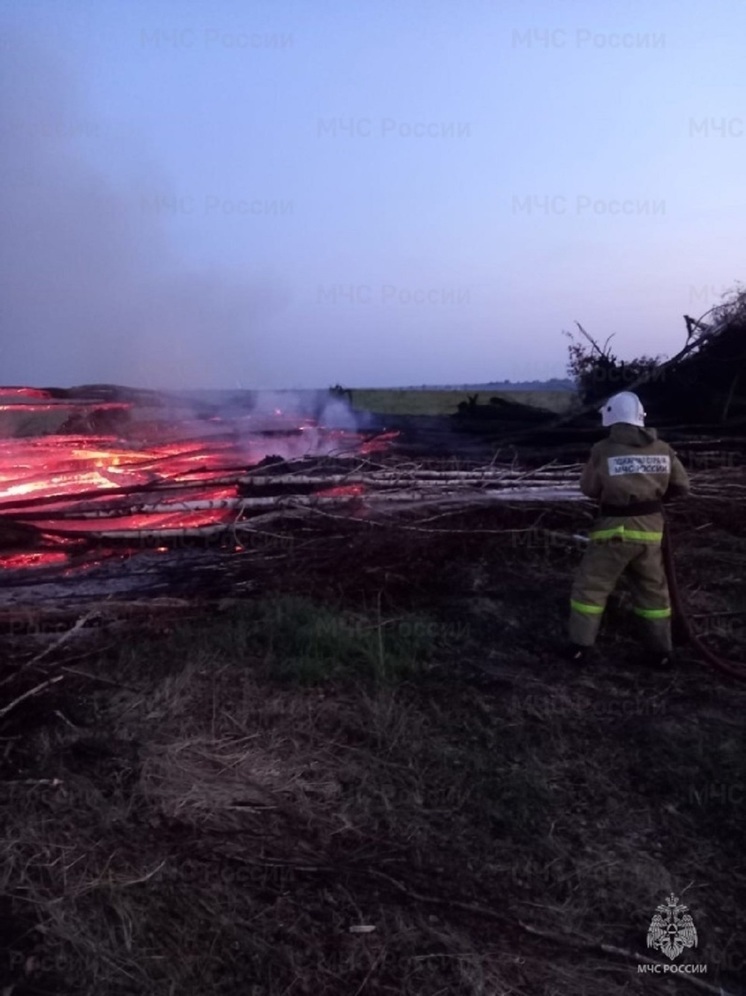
x,y
380,734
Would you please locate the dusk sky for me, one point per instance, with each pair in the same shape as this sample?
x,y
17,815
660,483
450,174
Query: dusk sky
x,y
295,194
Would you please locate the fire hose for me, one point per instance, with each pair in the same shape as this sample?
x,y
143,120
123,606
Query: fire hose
x,y
731,668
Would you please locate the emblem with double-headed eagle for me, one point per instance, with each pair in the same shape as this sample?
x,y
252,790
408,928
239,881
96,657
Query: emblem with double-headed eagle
x,y
672,929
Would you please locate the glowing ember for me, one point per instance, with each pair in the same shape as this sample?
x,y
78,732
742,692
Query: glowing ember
x,y
379,444
54,404
24,392
23,561
136,523
342,491
164,480
56,466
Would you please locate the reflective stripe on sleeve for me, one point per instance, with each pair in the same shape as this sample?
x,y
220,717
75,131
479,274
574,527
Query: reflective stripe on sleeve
x,y
585,609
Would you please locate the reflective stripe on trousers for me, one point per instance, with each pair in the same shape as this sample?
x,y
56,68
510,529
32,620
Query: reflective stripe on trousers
x,y
632,535
600,569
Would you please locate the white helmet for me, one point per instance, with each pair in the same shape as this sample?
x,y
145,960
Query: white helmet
x,y
624,407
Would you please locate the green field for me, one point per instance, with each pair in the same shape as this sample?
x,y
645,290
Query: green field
x,y
390,401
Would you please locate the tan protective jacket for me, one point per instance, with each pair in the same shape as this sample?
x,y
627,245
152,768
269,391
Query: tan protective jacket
x,y
632,465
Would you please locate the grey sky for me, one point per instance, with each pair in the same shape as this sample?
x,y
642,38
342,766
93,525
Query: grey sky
x,y
293,194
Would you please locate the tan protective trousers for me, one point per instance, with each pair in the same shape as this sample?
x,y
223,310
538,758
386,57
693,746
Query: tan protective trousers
x,y
603,564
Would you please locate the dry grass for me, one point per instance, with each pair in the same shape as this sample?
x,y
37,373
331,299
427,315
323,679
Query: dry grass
x,y
222,822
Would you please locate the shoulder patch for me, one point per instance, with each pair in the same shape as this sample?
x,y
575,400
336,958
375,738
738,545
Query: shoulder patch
x,y
643,463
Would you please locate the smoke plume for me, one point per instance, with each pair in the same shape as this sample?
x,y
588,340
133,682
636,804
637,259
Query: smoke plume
x,y
91,289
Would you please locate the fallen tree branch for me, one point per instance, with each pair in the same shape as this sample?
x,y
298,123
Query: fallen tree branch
x,y
63,639
27,695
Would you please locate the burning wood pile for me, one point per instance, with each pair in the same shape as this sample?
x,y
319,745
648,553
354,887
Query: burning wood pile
x,y
71,500
177,496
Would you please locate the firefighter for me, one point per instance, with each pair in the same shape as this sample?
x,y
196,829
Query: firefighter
x,y
630,474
